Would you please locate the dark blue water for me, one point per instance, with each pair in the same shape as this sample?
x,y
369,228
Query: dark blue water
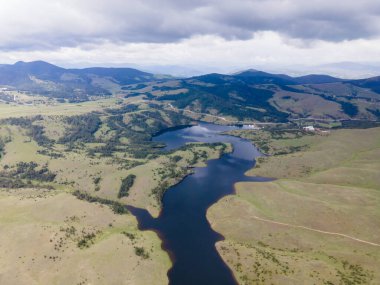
x,y
182,225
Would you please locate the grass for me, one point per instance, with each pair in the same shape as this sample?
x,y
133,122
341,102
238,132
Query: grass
x,y
67,109
75,169
275,140
332,185
305,106
54,237
342,148
44,229
148,176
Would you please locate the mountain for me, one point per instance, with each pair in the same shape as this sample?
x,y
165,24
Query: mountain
x,y
316,79
20,72
372,83
73,84
260,77
249,94
263,96
122,76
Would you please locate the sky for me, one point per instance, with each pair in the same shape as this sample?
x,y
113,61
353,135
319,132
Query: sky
x,y
196,36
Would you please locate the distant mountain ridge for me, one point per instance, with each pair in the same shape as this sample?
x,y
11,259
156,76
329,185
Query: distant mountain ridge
x,y
20,73
50,71
76,84
286,79
249,94
263,96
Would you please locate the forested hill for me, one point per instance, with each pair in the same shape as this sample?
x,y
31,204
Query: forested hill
x,y
43,78
270,97
250,94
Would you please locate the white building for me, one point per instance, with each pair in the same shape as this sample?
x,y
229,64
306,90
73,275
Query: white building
x,y
309,128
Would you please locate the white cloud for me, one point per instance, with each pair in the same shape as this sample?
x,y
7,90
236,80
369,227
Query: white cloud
x,y
31,24
265,50
220,34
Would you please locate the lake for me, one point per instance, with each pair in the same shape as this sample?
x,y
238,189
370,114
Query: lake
x,y
182,225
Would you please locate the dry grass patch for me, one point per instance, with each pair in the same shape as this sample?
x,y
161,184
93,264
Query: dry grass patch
x,y
340,148
262,252
44,231
317,225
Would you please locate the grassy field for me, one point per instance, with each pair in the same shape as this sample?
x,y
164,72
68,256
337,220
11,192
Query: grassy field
x,y
56,109
310,105
49,152
342,149
317,224
53,238
77,170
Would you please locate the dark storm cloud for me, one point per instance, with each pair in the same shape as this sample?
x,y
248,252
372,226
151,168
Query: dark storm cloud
x,y
30,24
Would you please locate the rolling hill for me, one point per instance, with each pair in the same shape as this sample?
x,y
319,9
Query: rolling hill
x,y
43,78
263,96
246,95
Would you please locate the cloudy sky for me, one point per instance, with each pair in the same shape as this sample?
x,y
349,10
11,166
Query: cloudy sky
x,y
199,35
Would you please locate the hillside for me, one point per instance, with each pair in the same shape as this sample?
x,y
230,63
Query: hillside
x,y
43,78
256,95
318,223
68,170
249,95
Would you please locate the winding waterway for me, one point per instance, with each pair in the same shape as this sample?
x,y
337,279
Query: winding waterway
x,y
182,223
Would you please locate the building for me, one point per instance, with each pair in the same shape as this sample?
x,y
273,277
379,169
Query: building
x,y
309,128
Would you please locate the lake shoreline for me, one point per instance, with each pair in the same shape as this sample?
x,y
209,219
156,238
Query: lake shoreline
x,y
182,225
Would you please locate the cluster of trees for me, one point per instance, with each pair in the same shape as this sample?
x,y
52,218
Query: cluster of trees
x,y
136,87
131,236
126,184
50,153
158,192
375,112
123,110
140,144
140,251
36,132
2,146
23,173
120,129
97,183
171,170
359,124
217,96
105,150
116,207
82,128
29,170
86,240
347,107
139,131
10,183
69,92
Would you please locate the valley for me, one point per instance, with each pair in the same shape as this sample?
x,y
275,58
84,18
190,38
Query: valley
x,y
84,177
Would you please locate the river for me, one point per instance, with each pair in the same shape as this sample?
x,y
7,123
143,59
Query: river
x,y
182,225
